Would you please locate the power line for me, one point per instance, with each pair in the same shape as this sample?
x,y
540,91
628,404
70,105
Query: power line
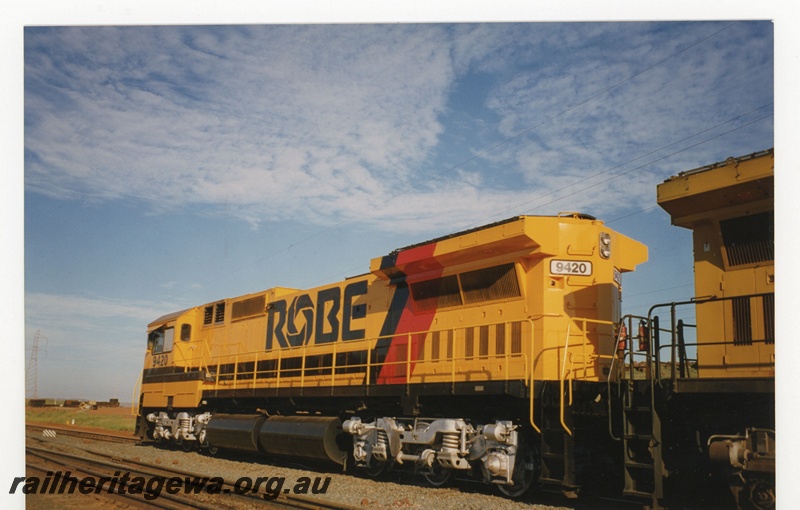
x,y
516,207
659,290
640,211
651,162
560,114
606,171
32,373
486,151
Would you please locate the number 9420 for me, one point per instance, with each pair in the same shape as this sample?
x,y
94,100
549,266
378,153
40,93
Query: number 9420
x,y
578,267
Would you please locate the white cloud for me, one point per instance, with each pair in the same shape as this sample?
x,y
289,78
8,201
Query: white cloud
x,y
281,116
325,124
594,114
53,312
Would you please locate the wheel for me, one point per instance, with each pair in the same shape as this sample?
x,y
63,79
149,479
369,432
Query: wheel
x,y
212,450
757,495
376,469
438,475
525,472
187,445
521,484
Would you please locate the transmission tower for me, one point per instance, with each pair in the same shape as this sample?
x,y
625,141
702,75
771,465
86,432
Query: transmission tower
x,y
32,373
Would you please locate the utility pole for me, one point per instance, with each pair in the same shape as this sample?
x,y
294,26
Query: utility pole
x,y
32,374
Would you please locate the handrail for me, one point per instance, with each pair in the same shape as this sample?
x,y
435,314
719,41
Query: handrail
x,y
673,344
238,376
577,363
573,364
208,350
532,385
561,376
135,396
186,361
612,372
588,359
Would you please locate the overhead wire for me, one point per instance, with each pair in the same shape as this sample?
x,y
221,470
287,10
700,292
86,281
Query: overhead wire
x,y
517,206
563,112
602,172
616,176
483,153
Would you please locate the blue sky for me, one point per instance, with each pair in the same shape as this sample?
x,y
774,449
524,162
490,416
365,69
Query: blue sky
x,y
168,166
152,169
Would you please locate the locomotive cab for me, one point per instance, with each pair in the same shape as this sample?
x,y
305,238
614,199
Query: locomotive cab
x,y
162,339
170,344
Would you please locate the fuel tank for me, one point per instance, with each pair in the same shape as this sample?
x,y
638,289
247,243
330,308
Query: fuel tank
x,y
238,432
312,437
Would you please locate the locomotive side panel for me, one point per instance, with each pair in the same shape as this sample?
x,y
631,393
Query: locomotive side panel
x,y
509,302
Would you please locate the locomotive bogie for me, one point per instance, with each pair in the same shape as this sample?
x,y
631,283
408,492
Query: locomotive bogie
x,y
443,444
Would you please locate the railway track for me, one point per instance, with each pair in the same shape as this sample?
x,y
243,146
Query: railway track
x,y
99,464
54,431
179,489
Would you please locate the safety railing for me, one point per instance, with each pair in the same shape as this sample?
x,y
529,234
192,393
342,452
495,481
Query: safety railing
x,y
644,351
509,348
581,356
135,395
633,339
407,359
679,363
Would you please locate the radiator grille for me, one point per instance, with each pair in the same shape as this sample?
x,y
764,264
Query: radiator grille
x,y
248,307
769,318
749,239
438,293
497,282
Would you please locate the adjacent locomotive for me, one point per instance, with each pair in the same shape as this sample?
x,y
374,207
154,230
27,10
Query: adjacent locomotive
x,y
500,351
729,404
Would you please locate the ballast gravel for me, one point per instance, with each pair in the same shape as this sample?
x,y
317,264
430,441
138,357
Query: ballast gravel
x,y
396,489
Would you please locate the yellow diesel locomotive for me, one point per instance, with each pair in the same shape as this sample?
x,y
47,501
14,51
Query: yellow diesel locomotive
x,y
500,352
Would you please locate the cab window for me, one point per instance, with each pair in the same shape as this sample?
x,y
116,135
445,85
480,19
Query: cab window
x,y
160,340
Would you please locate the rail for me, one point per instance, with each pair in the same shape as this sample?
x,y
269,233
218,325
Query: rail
x,y
99,436
187,492
671,359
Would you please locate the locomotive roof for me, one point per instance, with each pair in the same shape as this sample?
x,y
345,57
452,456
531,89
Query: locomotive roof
x,y
487,226
726,162
736,181
168,317
508,239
